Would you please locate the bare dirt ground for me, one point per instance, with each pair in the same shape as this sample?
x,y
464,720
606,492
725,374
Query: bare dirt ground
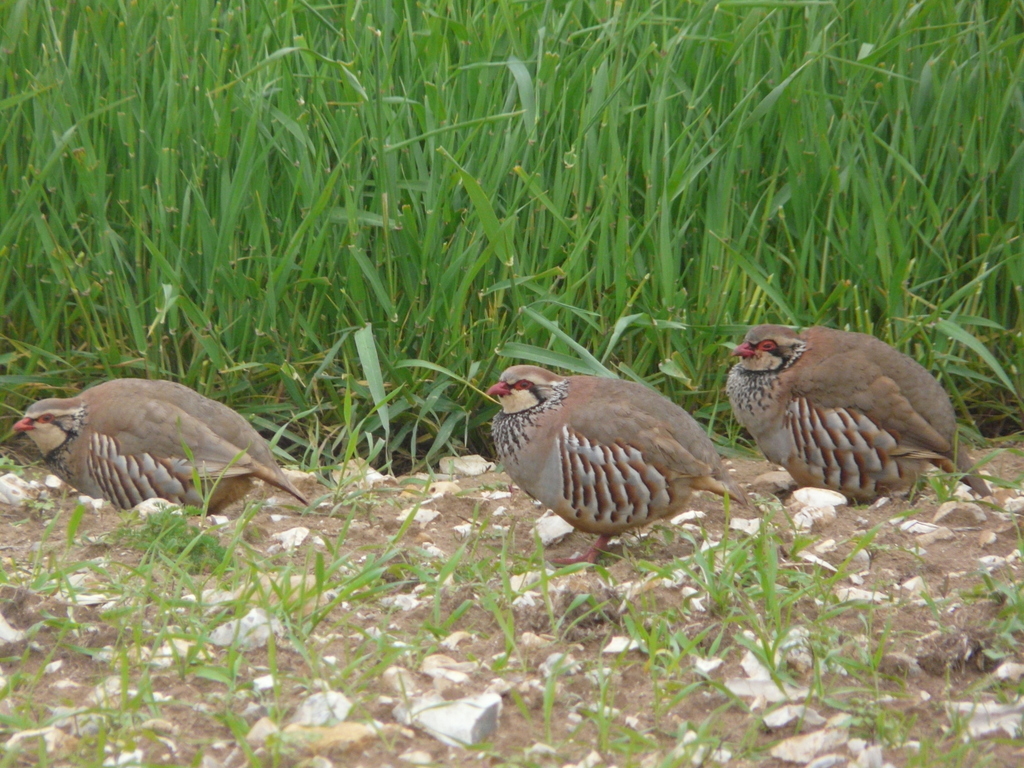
x,y
918,650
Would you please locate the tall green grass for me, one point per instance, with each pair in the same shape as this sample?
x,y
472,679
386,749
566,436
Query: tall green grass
x,y
347,218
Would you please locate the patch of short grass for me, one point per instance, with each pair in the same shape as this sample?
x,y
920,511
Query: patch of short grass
x,y
168,536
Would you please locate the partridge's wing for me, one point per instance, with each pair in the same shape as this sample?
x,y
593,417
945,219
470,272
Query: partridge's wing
x,y
629,422
854,382
163,430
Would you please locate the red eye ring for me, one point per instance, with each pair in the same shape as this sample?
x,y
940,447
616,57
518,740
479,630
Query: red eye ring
x,y
768,345
46,418
523,384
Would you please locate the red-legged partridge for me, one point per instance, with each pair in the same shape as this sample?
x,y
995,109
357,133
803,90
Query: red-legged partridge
x,y
122,441
843,410
606,455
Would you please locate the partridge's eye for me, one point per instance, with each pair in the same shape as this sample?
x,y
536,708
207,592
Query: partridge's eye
x,y
768,345
46,418
522,384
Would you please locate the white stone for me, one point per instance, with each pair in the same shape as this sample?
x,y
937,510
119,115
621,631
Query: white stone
x,y
917,527
827,761
280,501
795,649
688,517
452,641
965,513
460,722
401,680
803,521
107,693
753,668
806,517
987,716
438,665
259,732
804,748
263,682
499,686
529,599
468,466
560,663
434,551
871,757
913,587
552,529
291,538
53,666
54,738
749,527
443,488
702,754
496,495
620,643
985,538
358,474
810,557
819,497
520,581
540,748
964,493
991,562
1009,670
402,602
298,477
463,530
128,759
592,760
53,482
153,506
942,533
860,562
419,514
9,634
325,708
789,713
766,690
1014,505
847,594
215,597
856,746
251,631
706,666
218,519
532,640
416,757
89,501
15,491
826,546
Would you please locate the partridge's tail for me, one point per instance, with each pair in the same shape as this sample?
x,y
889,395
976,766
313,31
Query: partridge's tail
x,y
964,464
725,486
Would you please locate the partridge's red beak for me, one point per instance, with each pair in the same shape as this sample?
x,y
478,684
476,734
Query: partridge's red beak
x,y
499,390
25,425
743,350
